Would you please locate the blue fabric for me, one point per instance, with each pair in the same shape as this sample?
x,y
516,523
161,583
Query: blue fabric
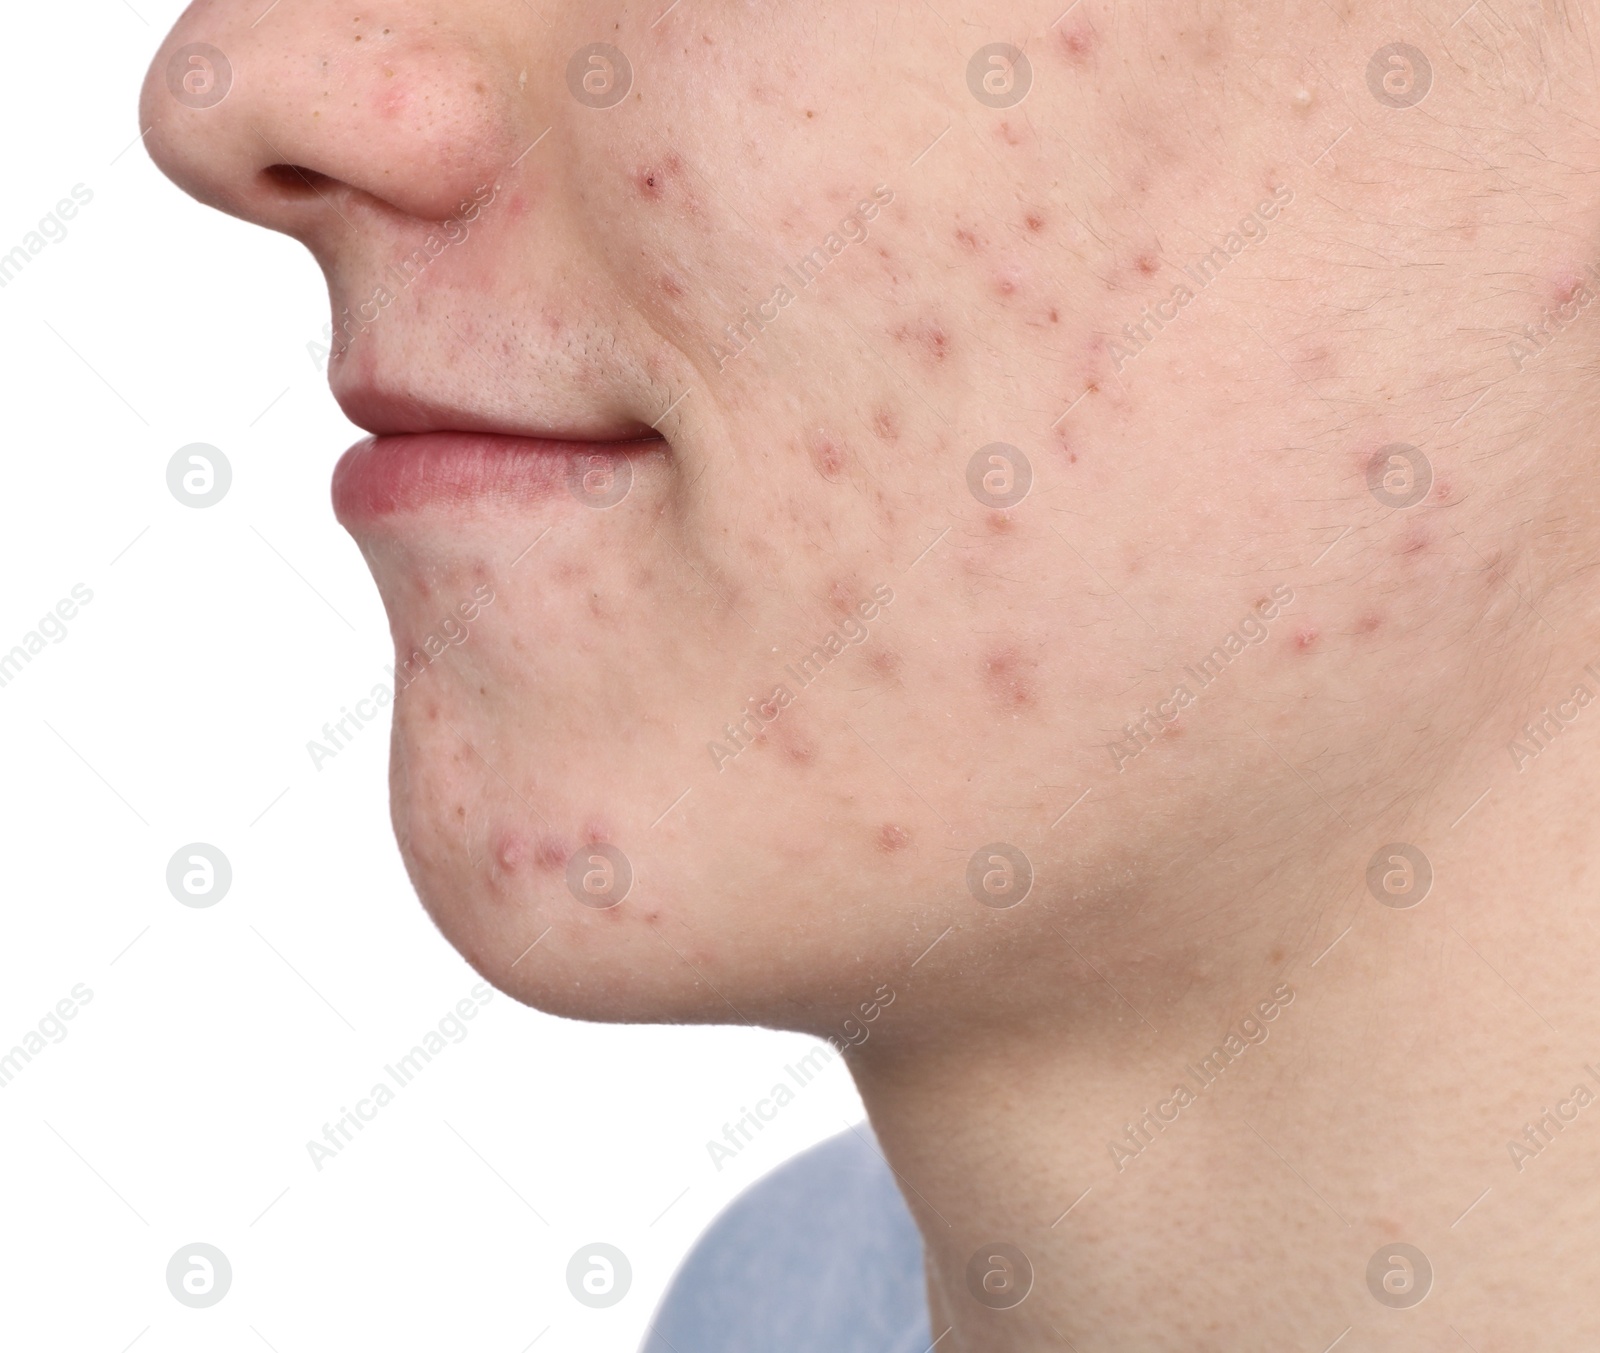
x,y
820,1256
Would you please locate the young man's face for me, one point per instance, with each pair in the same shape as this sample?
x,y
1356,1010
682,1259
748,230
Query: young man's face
x,y
990,418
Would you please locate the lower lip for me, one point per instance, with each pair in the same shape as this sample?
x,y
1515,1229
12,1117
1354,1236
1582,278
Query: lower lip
x,y
383,476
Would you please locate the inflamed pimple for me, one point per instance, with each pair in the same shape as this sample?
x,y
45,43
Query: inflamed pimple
x,y
892,838
510,850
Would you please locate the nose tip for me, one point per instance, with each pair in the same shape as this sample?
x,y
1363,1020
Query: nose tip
x,y
300,117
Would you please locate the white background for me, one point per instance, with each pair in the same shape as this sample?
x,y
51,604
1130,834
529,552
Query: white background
x,y
177,709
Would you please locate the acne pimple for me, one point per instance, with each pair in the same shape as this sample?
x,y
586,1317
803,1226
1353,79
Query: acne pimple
x,y
799,749
1078,42
1005,676
1000,523
928,335
1304,637
826,456
510,851
1034,221
892,838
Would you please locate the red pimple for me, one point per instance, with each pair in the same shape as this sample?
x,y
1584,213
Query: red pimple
x,y
892,838
1078,42
1003,673
825,455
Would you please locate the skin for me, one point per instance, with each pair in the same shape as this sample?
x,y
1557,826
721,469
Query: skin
x,y
1182,874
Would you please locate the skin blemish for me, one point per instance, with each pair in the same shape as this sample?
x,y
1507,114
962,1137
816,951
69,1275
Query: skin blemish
x,y
1146,265
826,456
967,240
550,854
510,850
885,664
670,285
1005,675
1369,623
892,838
1414,541
1077,42
650,183
1305,637
929,335
1034,221
1007,133
1000,523
798,748
842,596
885,426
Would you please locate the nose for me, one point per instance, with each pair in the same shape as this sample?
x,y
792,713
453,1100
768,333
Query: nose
x,y
314,122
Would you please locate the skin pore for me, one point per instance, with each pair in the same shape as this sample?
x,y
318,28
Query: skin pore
x,y
1204,278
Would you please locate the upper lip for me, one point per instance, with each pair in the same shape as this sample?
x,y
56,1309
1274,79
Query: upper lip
x,y
387,411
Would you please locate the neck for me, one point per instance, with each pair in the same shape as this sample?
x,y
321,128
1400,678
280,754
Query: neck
x,y
1167,1151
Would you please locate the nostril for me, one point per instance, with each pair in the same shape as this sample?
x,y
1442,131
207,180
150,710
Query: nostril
x,y
295,179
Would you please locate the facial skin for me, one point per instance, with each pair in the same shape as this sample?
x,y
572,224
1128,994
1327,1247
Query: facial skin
x,y
1371,269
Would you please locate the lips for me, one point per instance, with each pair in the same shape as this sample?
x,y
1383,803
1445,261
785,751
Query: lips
x,y
416,471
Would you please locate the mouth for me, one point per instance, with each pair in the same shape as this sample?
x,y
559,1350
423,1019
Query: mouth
x,y
423,458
